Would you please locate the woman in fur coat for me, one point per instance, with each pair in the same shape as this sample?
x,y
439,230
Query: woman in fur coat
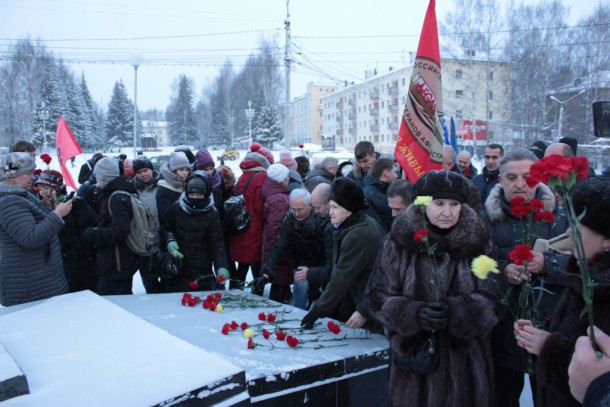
x,y
555,347
401,298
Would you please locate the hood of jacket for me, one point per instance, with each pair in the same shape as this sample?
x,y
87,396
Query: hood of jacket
x,y
141,186
371,180
498,208
171,180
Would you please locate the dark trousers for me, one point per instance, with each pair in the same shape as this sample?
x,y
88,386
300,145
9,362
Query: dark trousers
x,y
238,275
509,386
113,287
152,284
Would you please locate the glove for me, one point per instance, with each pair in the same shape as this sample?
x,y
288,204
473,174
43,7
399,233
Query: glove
x,y
433,316
174,250
311,318
259,283
224,273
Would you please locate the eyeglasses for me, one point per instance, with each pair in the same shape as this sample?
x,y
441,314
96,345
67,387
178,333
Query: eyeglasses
x,y
297,210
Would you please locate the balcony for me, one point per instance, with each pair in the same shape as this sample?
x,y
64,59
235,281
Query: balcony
x,y
375,111
339,117
393,126
393,108
393,90
352,130
339,132
351,100
374,95
374,128
352,115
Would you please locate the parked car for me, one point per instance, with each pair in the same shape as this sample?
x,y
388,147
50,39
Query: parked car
x,y
159,160
230,153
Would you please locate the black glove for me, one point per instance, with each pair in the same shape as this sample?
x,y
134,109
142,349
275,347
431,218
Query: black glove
x,y
259,283
311,318
434,316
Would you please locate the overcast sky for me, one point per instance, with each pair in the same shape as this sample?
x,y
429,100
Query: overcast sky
x,y
337,37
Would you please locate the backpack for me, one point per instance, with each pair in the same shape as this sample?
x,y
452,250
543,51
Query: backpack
x,y
143,238
237,220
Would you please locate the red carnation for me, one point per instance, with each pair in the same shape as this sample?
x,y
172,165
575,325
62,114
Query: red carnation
x,y
234,325
281,335
251,344
544,216
225,329
270,317
218,296
222,278
581,165
266,334
420,234
292,341
244,326
194,285
46,158
519,200
185,298
334,328
37,171
520,254
521,211
537,204
261,316
301,146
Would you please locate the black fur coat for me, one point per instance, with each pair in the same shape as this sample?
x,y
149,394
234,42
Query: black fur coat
x,y
566,326
399,287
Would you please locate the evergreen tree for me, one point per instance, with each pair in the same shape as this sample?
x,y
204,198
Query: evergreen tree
x,y
91,136
220,107
119,119
267,130
181,114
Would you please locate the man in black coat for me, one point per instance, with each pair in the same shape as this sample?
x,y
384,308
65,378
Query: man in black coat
x,y
375,185
116,263
489,178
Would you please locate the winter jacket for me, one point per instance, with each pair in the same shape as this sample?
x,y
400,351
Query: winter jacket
x,y
356,242
276,206
170,187
300,241
375,193
399,287
31,267
317,176
148,194
112,231
294,180
357,174
598,393
247,247
470,172
566,326
506,232
198,233
485,182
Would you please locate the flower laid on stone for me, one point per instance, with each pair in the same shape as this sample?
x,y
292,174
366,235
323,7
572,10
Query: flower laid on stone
x,y
483,265
212,302
292,341
281,335
248,333
266,334
251,344
190,300
244,326
225,329
334,328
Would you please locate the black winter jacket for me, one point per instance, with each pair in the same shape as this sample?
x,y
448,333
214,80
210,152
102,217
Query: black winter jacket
x,y
375,193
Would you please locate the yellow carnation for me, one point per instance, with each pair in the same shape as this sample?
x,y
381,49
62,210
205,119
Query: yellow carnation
x,y
219,308
423,200
483,265
248,333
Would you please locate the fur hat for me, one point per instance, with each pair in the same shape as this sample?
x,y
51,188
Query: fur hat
x,y
227,176
199,183
347,193
107,169
140,162
50,177
592,196
257,158
187,151
538,147
257,148
178,160
277,172
442,185
287,160
14,164
204,159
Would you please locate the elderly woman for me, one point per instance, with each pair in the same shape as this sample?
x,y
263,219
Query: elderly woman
x,y
554,348
357,240
402,298
31,267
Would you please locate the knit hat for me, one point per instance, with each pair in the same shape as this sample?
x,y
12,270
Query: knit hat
x,y
442,185
107,169
50,177
204,159
277,172
538,147
140,162
187,151
287,160
347,193
592,195
14,164
199,183
178,160
257,148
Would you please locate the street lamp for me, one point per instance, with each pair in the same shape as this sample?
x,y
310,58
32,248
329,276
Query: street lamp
x,y
231,123
44,115
135,60
250,116
560,122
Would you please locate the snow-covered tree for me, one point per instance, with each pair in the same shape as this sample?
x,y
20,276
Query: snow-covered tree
x,y
119,118
91,136
220,106
267,130
180,113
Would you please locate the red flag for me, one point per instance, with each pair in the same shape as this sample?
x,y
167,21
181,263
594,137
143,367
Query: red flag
x,y
420,139
67,147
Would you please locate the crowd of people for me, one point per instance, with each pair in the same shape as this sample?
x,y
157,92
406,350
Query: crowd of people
x,y
353,241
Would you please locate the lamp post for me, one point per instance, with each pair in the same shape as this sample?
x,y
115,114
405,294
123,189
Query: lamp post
x,y
135,60
560,122
250,116
44,115
231,123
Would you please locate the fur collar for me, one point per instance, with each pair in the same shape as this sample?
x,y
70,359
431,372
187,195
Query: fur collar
x,y
498,207
171,180
467,238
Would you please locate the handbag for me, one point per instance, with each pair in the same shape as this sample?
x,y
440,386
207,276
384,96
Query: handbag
x,y
164,265
424,358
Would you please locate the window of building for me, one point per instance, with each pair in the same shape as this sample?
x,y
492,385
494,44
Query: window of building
x,y
458,74
458,114
491,95
490,75
403,82
490,115
459,94
382,103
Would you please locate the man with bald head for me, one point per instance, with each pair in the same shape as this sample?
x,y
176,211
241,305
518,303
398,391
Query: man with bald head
x,y
464,161
559,148
449,159
319,200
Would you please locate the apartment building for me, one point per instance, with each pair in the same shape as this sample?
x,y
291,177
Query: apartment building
x,y
306,114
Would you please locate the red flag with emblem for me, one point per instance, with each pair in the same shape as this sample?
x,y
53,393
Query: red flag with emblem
x,y
420,138
67,147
